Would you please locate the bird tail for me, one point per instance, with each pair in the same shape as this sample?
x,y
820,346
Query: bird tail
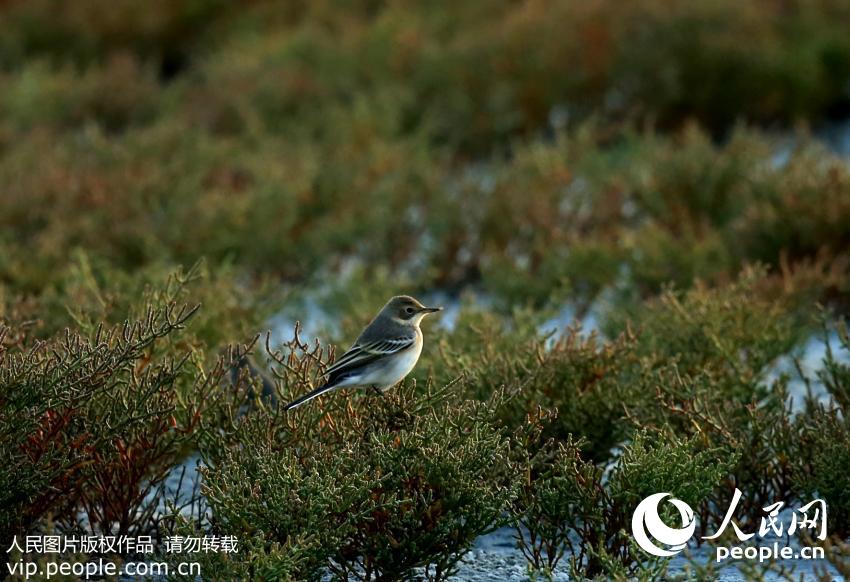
x,y
310,395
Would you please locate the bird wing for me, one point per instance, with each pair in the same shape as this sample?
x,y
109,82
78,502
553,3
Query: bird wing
x,y
361,354
352,361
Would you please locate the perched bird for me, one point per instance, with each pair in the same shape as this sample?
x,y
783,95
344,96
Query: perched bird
x,y
384,353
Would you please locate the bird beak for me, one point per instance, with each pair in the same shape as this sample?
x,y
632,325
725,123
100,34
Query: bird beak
x,y
431,309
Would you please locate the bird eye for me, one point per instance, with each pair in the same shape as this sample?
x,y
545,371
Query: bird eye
x,y
408,309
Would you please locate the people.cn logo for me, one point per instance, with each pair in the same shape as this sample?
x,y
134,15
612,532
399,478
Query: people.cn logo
x,y
647,525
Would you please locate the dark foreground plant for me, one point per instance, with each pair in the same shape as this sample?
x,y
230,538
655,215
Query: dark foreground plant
x,y
91,426
53,438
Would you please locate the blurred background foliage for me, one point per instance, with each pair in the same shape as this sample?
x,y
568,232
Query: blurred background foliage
x,y
484,145
667,173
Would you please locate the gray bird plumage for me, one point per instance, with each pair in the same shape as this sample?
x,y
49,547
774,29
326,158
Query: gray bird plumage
x,y
383,354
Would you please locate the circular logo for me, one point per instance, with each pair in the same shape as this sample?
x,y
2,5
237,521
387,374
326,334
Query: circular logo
x,y
647,525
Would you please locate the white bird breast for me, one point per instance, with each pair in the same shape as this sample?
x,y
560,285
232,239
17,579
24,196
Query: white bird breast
x,y
392,372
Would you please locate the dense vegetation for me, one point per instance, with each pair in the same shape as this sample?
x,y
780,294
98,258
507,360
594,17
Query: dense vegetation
x,y
178,176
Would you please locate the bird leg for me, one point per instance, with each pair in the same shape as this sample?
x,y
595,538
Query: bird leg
x,y
377,390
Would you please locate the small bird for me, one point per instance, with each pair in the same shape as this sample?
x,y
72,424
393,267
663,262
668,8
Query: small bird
x,y
384,353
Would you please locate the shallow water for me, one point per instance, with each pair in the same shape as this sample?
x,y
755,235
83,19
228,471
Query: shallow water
x,y
495,557
809,357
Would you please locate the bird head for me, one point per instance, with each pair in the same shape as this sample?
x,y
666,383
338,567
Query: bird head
x,y
407,310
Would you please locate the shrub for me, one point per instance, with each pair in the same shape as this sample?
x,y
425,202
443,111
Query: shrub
x,y
375,489
823,450
119,94
568,504
824,436
738,329
94,421
584,378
